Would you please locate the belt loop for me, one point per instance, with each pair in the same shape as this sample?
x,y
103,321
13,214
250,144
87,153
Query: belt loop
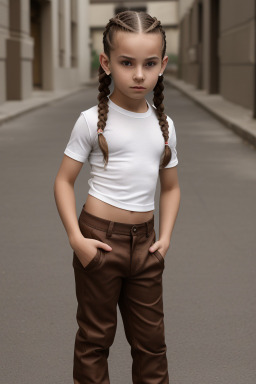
x,y
147,234
110,228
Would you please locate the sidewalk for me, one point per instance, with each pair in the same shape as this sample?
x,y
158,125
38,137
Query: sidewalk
x,y
235,117
39,98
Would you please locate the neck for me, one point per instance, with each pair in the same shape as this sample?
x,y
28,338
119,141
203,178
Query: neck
x,y
133,105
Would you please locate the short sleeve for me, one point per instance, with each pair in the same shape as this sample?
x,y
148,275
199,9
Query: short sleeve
x,y
79,145
172,144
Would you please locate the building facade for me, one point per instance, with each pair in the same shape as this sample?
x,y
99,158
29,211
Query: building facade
x,y
217,48
44,44
166,11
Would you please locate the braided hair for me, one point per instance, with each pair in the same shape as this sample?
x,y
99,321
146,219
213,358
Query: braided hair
x,y
131,21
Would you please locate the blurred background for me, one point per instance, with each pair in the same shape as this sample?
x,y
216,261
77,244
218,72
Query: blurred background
x,y
49,50
53,45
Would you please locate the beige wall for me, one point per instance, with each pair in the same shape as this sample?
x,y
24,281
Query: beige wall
x,y
62,74
4,33
224,62
165,11
68,40
183,7
172,41
237,50
84,58
100,14
19,51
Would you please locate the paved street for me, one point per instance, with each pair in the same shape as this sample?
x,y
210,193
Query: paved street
x,y
209,276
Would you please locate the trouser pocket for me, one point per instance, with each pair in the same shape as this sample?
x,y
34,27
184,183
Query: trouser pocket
x,y
157,254
96,260
88,233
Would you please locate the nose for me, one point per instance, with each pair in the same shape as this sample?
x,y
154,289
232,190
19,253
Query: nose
x,y
138,74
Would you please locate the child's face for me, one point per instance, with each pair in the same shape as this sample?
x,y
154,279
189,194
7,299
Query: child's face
x,y
139,71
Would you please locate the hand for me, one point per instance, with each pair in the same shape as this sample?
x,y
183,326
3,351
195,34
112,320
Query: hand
x,y
160,246
86,249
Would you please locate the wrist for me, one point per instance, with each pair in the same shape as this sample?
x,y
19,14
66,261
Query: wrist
x,y
165,241
74,238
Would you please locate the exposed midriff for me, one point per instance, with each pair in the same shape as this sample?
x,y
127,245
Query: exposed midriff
x,y
106,211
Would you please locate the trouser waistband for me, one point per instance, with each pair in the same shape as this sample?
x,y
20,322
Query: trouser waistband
x,y
116,226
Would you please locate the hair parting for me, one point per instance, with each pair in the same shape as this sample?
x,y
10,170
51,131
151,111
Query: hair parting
x,y
131,21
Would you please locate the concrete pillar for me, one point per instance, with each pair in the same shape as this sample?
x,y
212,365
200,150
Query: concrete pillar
x,y
67,34
84,63
48,44
4,22
206,45
19,51
254,62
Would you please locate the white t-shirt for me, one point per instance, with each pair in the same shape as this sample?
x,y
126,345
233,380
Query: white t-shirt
x,y
135,146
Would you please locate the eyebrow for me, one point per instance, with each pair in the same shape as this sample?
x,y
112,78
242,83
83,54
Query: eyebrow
x,y
133,58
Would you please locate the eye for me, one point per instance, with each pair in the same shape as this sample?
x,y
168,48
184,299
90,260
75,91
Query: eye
x,y
125,61
151,62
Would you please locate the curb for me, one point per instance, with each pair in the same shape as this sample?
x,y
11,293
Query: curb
x,y
233,116
12,109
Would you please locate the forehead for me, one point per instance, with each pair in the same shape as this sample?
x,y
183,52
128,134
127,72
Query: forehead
x,y
137,45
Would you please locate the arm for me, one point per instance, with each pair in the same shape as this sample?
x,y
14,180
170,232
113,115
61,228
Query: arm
x,y
168,207
64,195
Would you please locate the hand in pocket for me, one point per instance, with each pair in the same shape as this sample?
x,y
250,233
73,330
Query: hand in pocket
x,y
86,249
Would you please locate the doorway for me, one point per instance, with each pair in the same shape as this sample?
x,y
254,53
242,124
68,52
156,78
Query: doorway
x,y
35,32
214,42
200,45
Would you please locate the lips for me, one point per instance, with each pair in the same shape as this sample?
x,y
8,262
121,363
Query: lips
x,y
139,87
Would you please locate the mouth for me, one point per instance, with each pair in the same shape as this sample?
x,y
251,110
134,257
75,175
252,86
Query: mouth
x,y
138,87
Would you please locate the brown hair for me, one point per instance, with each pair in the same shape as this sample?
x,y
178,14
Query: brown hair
x,y
131,21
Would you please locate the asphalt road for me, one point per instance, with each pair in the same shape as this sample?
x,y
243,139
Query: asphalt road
x,y
209,276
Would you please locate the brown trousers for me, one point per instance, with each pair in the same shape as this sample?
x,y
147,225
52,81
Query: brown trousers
x,y
130,276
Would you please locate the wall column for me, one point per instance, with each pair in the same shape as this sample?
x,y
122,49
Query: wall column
x,y
254,45
19,51
206,44
4,32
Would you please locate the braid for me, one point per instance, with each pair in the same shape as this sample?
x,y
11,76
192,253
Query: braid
x,y
104,82
122,24
154,25
157,99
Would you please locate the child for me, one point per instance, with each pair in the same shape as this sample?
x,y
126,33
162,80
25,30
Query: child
x,y
116,259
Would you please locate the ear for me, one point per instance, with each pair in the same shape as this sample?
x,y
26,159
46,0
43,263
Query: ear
x,y
104,62
164,63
